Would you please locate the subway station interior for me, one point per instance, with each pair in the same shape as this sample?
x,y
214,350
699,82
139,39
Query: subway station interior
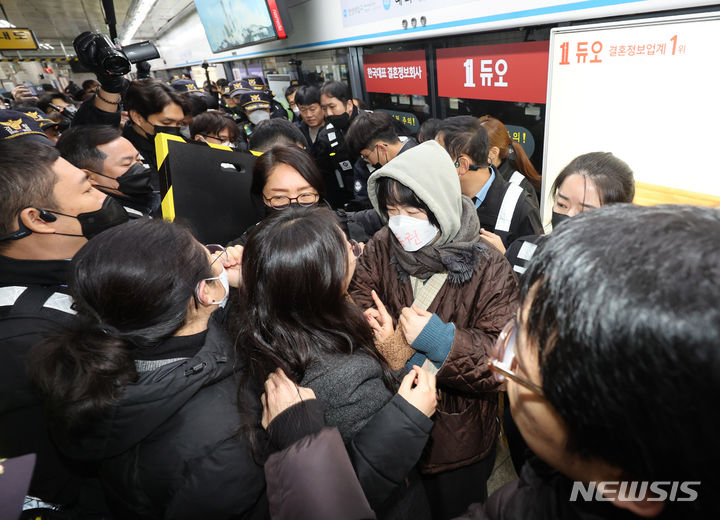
x,y
356,259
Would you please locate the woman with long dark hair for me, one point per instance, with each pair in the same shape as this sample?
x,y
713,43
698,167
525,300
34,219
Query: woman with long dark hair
x,y
589,181
295,315
143,384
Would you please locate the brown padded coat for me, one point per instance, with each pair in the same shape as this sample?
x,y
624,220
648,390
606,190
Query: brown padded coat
x,y
465,422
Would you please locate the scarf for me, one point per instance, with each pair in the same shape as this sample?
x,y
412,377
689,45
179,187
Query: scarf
x,y
459,257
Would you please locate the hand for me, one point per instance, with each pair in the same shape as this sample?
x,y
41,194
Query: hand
x,y
87,46
418,389
493,240
22,94
280,394
413,320
233,265
379,319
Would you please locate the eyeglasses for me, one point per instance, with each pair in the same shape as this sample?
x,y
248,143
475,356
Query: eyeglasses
x,y
366,157
215,137
282,202
217,251
504,362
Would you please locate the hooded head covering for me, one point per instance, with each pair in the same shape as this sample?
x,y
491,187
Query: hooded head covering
x,y
428,171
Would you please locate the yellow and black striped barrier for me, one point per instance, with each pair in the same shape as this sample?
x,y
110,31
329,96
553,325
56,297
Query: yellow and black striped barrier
x,y
21,60
162,149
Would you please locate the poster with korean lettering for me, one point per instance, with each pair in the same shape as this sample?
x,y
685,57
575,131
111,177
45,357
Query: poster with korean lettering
x,y
505,72
396,72
644,90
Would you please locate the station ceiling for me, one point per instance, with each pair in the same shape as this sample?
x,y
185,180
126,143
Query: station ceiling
x,y
56,22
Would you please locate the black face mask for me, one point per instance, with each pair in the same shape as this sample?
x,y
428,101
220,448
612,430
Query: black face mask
x,y
558,218
135,181
341,122
94,222
172,130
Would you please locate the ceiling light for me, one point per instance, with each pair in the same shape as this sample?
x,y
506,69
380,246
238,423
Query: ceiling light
x,y
5,23
138,17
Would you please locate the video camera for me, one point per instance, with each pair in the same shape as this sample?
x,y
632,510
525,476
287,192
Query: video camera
x,y
116,60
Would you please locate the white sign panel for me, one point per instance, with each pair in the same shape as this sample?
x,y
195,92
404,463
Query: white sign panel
x,y
645,91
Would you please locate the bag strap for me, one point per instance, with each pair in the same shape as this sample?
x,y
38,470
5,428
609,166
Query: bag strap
x,y
426,292
31,301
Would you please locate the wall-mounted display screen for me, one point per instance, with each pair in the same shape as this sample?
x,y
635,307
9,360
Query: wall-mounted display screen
x,y
230,24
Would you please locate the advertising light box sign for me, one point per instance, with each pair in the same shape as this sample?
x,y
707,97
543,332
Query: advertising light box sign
x,y
505,72
396,72
17,39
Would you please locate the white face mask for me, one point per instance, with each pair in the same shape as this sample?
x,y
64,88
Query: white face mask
x,y
229,144
257,116
412,233
223,277
296,111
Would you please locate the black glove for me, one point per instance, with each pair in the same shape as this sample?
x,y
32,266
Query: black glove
x,y
88,47
143,69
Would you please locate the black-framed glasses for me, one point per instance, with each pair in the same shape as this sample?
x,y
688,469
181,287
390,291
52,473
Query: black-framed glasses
x,y
216,251
504,362
282,202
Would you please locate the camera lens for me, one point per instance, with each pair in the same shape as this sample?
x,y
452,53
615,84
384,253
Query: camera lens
x,y
116,64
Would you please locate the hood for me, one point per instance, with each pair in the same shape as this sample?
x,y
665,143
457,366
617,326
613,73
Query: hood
x,y
148,403
428,170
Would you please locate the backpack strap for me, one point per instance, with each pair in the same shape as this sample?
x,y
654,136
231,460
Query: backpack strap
x,y
34,300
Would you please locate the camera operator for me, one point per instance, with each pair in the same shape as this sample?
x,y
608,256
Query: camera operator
x,y
94,52
152,106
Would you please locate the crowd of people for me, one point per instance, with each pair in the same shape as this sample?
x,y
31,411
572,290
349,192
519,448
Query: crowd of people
x,y
347,356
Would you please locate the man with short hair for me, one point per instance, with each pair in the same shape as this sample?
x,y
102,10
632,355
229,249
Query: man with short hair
x,y
275,132
506,211
290,98
307,100
48,211
113,166
373,136
612,369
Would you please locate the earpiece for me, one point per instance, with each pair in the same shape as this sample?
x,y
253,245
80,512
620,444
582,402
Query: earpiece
x,y
46,215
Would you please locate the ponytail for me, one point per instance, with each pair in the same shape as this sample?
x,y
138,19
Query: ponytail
x,y
524,166
510,150
80,372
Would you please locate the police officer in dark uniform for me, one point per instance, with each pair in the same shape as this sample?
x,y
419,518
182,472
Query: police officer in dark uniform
x,y
256,106
335,160
230,106
257,83
49,211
